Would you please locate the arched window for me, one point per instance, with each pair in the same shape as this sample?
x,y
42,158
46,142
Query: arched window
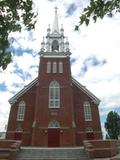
x,y
60,67
53,124
88,129
55,45
21,111
89,133
19,129
48,67
54,67
87,111
54,95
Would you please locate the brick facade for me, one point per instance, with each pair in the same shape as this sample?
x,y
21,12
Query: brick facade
x,y
70,115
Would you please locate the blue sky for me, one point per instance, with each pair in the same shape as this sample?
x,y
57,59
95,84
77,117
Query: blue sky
x,y
94,60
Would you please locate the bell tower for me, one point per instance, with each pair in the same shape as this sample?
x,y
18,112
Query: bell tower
x,y
54,100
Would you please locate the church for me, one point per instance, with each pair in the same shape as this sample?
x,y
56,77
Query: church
x,y
54,110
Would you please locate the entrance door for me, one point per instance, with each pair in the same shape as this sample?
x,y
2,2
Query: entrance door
x,y
18,135
89,136
53,137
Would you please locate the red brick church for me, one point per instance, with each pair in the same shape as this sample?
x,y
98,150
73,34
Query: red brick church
x,y
54,110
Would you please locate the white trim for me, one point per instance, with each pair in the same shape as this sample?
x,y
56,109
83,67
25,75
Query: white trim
x,y
54,56
48,67
54,89
54,67
35,81
89,129
86,91
87,111
21,111
24,90
53,124
60,66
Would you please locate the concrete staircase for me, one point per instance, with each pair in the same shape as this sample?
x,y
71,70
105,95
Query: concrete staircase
x,y
34,153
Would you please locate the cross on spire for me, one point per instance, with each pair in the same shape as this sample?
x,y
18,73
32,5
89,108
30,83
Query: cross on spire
x,y
56,9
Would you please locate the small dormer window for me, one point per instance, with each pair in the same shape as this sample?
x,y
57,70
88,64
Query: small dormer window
x,y
55,45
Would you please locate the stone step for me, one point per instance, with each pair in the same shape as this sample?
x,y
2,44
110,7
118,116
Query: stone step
x,y
48,158
51,154
54,158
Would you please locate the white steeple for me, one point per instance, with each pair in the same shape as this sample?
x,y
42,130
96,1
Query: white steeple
x,y
55,44
55,28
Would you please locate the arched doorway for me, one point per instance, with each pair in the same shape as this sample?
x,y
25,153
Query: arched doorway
x,y
53,134
18,133
89,133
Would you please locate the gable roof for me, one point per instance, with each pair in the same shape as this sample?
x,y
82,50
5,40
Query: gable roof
x,y
86,91
35,81
24,90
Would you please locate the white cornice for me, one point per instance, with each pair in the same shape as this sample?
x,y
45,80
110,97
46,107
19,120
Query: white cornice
x,y
86,91
54,54
35,81
24,90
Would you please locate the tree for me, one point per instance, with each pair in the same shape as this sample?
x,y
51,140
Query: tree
x,y
13,14
98,9
112,125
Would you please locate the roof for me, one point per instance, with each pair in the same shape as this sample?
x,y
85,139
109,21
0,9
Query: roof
x,y
86,91
24,90
35,81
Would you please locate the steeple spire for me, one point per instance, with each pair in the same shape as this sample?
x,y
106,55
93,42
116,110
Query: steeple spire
x,y
55,24
55,45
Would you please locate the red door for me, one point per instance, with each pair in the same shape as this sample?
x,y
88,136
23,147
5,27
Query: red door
x,y
53,137
89,136
18,135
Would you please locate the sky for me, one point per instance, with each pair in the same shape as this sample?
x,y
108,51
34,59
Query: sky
x,y
95,59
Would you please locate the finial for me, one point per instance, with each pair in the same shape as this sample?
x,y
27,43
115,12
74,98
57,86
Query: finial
x,y
62,30
43,39
43,45
67,39
48,30
67,44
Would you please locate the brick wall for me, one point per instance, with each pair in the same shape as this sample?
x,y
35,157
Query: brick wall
x,y
81,124
26,125
101,148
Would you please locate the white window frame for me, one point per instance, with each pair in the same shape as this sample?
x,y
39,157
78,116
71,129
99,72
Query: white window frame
x,y
53,124
88,129
48,67
60,67
19,129
54,67
21,111
87,111
54,95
